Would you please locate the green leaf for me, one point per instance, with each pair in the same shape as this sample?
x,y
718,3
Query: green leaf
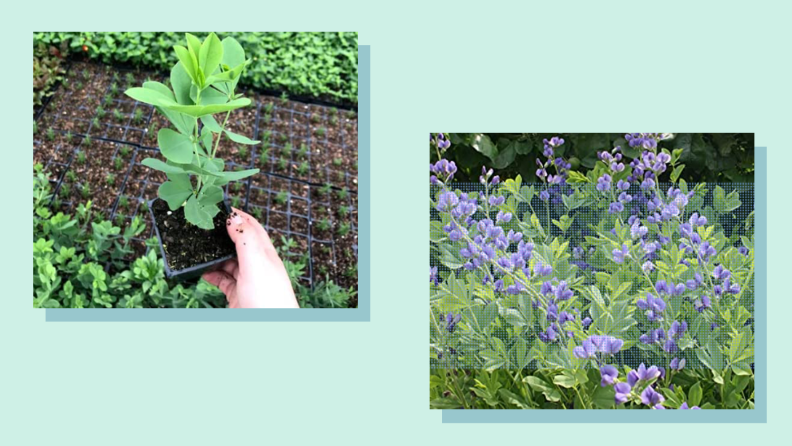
x,y
604,397
211,53
233,56
148,95
175,146
210,195
550,392
484,145
210,123
176,190
677,172
237,174
197,214
694,395
240,138
181,83
450,258
187,60
159,165
203,110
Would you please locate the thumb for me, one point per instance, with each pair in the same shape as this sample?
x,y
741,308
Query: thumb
x,y
222,280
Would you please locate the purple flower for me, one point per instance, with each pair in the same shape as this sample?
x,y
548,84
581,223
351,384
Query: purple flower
x,y
451,321
446,201
651,398
608,373
703,303
636,230
654,307
546,288
607,344
443,169
586,350
743,250
695,220
624,197
544,195
622,185
652,336
615,208
705,250
677,364
562,292
620,254
433,276
504,217
604,182
720,273
496,200
647,267
622,392
586,322
685,406
542,270
677,329
670,346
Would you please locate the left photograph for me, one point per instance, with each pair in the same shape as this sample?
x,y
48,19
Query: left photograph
x,y
195,170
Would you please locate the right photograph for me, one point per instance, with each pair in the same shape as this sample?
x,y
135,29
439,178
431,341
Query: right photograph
x,y
591,271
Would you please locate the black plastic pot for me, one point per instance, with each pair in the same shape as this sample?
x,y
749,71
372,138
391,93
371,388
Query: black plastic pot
x,y
192,272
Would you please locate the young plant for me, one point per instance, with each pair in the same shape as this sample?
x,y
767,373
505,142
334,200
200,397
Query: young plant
x,y
203,83
130,78
302,169
286,150
320,132
80,158
236,202
303,151
110,179
242,151
138,116
71,177
325,190
87,141
50,134
344,228
315,118
123,201
100,112
118,163
118,115
283,163
85,191
268,108
65,190
342,193
323,224
68,136
257,213
282,137
124,151
338,161
282,197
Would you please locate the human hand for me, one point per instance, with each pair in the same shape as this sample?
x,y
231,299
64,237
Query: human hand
x,y
257,277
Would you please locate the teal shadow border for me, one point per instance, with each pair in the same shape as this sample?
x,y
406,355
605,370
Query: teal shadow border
x,y
360,314
756,415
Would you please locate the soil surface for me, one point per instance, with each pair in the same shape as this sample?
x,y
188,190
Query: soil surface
x,y
187,245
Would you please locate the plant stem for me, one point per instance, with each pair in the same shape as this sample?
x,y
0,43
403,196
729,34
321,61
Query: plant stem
x,y
220,135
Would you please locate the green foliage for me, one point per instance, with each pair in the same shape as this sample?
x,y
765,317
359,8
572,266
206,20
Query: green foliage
x,y
323,65
709,157
48,67
70,254
204,82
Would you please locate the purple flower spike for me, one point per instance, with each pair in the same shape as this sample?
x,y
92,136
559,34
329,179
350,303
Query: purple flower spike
x,y
720,273
616,207
586,350
562,292
622,392
651,398
433,276
608,374
670,346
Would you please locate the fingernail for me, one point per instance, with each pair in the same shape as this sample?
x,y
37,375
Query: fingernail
x,y
236,219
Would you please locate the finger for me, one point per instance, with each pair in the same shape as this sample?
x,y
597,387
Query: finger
x,y
253,246
231,267
255,224
222,280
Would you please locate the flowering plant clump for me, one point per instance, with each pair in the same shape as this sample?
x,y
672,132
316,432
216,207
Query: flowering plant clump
x,y
203,83
609,289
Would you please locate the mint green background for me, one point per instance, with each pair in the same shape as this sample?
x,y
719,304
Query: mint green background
x,y
562,66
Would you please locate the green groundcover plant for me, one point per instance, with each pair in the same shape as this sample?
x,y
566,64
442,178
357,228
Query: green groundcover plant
x,y
203,83
318,64
604,290
83,261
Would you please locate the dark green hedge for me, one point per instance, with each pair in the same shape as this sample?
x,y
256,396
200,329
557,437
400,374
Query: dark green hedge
x,y
320,65
710,157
